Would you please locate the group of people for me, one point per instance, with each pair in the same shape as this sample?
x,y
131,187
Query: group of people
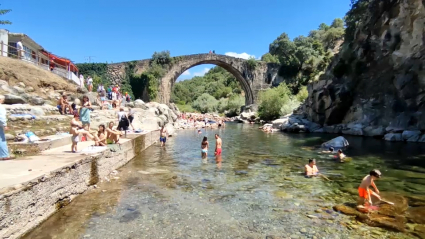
x,y
365,193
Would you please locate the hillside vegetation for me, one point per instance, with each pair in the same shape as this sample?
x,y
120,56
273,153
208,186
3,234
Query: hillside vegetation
x,y
216,91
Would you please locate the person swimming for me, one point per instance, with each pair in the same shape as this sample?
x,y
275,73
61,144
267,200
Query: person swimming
x,y
311,169
204,147
331,150
341,156
364,189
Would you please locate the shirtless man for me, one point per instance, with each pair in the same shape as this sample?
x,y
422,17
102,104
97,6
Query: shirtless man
x,y
163,136
364,188
218,144
63,104
341,156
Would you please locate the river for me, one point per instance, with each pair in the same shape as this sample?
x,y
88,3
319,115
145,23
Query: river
x,y
257,192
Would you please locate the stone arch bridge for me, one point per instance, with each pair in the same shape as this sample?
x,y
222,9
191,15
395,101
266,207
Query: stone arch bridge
x,y
252,79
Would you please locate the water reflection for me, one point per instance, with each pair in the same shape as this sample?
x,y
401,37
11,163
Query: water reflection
x,y
256,189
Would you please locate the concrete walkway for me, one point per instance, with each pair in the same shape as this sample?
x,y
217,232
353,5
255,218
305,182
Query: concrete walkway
x,y
21,170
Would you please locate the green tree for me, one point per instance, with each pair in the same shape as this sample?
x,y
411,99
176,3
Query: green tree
x,y
4,12
275,101
337,23
235,104
205,103
269,58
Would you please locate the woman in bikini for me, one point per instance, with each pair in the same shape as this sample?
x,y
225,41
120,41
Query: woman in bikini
x,y
204,147
100,138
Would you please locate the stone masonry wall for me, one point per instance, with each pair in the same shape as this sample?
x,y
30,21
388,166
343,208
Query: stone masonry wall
x,y
24,207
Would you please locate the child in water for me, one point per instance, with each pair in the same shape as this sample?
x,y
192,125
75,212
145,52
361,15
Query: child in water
x,y
311,168
364,188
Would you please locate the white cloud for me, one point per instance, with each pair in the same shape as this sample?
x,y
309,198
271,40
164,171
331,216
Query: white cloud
x,y
201,73
186,73
244,55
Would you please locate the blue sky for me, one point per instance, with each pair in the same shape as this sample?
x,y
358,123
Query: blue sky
x,y
116,31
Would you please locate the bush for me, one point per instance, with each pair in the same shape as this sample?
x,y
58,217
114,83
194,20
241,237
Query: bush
x,y
162,58
186,108
252,63
222,105
275,102
235,104
205,103
302,94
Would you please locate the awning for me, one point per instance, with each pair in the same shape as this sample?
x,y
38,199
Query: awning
x,y
63,62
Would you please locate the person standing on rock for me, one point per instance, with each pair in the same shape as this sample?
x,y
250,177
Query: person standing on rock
x,y
123,121
163,136
4,151
85,110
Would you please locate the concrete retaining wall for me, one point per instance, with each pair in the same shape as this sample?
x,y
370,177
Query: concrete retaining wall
x,y
29,204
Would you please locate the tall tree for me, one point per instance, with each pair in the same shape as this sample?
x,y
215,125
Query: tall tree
x,y
3,12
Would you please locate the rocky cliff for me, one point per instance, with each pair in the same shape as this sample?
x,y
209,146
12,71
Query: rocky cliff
x,y
376,84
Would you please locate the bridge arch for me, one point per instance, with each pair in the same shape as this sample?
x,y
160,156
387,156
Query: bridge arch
x,y
178,70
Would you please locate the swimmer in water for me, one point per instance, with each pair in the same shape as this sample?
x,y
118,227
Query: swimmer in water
x,y
311,168
341,156
364,189
331,150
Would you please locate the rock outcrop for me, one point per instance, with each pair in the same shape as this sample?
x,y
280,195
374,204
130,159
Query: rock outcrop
x,y
376,84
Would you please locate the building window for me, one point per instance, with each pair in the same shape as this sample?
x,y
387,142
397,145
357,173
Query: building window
x,y
13,52
27,53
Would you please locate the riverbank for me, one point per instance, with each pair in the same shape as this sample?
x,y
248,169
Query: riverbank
x,y
35,187
298,123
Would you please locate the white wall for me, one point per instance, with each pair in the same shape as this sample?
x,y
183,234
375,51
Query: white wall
x,y
4,36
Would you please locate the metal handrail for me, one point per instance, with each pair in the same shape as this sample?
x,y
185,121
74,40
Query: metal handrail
x,y
35,59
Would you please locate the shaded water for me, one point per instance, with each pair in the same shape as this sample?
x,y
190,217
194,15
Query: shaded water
x,y
257,191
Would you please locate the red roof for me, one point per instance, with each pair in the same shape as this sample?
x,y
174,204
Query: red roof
x,y
63,62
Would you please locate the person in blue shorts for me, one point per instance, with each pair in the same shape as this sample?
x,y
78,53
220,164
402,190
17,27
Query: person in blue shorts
x,y
163,136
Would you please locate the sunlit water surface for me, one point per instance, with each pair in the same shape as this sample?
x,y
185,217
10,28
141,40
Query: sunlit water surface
x,y
257,192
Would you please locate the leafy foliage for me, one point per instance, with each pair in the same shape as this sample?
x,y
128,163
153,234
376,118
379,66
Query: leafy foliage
x,y
354,16
218,83
4,12
205,103
252,63
162,58
275,102
304,58
302,94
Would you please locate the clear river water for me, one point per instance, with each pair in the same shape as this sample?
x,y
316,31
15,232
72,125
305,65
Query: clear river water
x,y
257,192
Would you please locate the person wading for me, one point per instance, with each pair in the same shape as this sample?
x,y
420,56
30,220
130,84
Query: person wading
x,y
204,147
163,136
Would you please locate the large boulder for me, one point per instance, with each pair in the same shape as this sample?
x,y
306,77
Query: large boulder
x,y
140,104
247,116
35,100
37,111
150,123
277,124
411,135
393,137
170,129
338,142
172,115
353,129
377,132
19,90
13,99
